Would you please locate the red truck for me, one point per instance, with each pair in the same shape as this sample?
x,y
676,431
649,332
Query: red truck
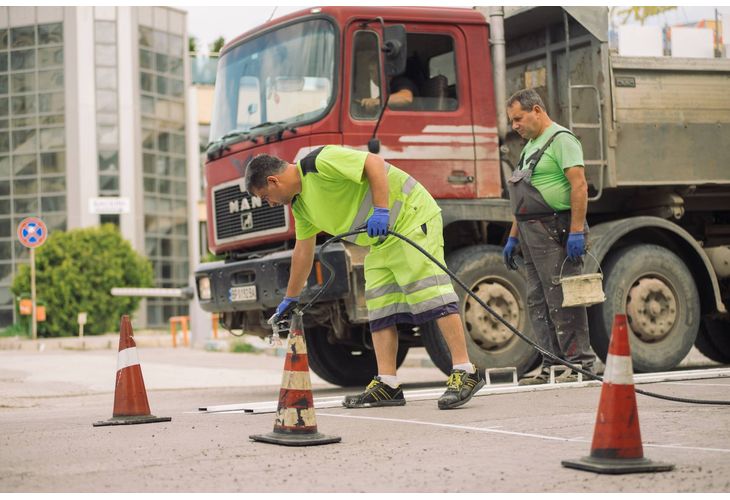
x,y
659,206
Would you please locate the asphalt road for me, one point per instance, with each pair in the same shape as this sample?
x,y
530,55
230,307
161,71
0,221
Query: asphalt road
x,y
497,443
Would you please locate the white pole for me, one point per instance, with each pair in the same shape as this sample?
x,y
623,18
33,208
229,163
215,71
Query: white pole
x,y
32,294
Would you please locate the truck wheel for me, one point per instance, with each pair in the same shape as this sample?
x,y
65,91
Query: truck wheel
x,y
713,339
655,290
340,364
489,343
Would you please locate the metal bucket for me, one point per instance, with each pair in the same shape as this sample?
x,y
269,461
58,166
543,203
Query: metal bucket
x,y
584,289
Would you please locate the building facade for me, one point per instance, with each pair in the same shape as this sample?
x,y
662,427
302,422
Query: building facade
x,y
95,128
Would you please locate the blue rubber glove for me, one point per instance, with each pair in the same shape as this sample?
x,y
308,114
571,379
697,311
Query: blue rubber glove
x,y
576,245
286,306
508,251
378,222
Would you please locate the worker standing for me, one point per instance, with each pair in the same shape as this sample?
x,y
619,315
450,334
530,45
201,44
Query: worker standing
x,y
337,190
549,198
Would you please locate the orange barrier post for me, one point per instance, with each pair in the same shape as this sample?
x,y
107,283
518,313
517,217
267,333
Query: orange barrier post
x,y
616,447
130,396
183,322
214,321
296,423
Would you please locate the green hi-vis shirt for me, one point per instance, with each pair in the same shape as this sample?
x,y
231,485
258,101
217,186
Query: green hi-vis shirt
x,y
548,177
336,197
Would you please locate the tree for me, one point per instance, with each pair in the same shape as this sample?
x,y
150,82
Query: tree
x,y
217,45
75,271
641,14
192,44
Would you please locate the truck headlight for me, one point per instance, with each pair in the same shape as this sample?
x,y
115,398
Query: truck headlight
x,y
204,288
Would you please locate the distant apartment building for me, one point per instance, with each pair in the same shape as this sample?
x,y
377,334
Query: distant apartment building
x,y
95,128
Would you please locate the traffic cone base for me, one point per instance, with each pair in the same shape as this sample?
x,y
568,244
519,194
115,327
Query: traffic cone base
x,y
130,396
141,419
296,423
616,446
617,465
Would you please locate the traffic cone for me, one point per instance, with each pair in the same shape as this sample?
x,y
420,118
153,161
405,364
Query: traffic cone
x,y
616,447
296,424
130,396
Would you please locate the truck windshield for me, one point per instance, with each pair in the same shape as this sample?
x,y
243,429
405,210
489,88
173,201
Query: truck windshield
x,y
285,76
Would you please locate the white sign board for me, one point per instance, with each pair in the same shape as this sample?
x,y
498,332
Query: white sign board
x,y
640,41
81,318
109,205
692,42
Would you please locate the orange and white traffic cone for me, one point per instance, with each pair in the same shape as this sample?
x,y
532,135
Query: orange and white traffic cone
x,y
296,423
130,396
616,447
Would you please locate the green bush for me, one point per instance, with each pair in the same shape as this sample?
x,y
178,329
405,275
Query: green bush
x,y
75,272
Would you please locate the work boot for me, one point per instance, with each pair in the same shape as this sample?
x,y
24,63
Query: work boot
x,y
460,387
540,378
377,393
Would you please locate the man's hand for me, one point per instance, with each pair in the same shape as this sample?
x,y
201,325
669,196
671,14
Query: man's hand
x,y
378,222
283,310
508,251
370,102
576,246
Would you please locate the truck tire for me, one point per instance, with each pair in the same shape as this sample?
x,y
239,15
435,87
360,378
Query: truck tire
x,y
489,343
713,339
340,364
655,289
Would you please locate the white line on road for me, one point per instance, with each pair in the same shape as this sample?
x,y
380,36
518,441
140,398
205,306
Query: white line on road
x,y
511,433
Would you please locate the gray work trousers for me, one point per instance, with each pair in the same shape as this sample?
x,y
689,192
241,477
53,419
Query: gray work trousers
x,y
560,330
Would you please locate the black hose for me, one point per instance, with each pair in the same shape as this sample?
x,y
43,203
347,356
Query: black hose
x,y
514,330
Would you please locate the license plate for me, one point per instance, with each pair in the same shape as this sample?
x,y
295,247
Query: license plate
x,y
242,293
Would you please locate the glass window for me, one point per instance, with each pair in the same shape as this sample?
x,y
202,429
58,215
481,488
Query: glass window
x,y
164,185
148,163
22,82
107,136
106,55
177,143
4,142
24,141
161,65
25,186
163,141
25,165
148,105
55,222
175,45
176,88
3,39
161,85
106,31
145,81
25,206
49,57
51,120
23,105
148,139
109,183
4,169
3,106
163,166
4,123
50,80
22,59
150,184
50,33
295,63
145,59
53,163
22,37
51,103
106,78
53,203
6,247
4,188
25,121
52,138
3,84
108,161
53,184
106,101
145,37
175,66
365,103
160,41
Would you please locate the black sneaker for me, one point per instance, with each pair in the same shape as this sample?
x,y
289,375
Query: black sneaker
x,y
377,393
460,387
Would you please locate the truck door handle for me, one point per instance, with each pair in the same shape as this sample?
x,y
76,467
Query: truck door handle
x,y
460,177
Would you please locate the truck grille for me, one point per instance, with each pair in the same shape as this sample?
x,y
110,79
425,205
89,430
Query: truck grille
x,y
237,218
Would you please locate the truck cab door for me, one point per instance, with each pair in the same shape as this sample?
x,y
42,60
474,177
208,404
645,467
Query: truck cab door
x,y
432,136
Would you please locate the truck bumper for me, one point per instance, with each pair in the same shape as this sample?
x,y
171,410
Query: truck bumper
x,y
260,283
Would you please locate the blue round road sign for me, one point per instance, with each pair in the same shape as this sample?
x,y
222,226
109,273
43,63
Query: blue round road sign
x,y
32,232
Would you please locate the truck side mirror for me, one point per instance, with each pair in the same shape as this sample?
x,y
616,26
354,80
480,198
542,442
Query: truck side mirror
x,y
395,49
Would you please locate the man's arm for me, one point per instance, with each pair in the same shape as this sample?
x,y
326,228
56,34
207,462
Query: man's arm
x,y
374,171
514,230
578,198
301,265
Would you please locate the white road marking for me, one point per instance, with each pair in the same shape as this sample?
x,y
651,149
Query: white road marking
x,y
511,433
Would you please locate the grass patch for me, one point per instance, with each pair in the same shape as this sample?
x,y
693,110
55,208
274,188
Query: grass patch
x,y
15,329
240,346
